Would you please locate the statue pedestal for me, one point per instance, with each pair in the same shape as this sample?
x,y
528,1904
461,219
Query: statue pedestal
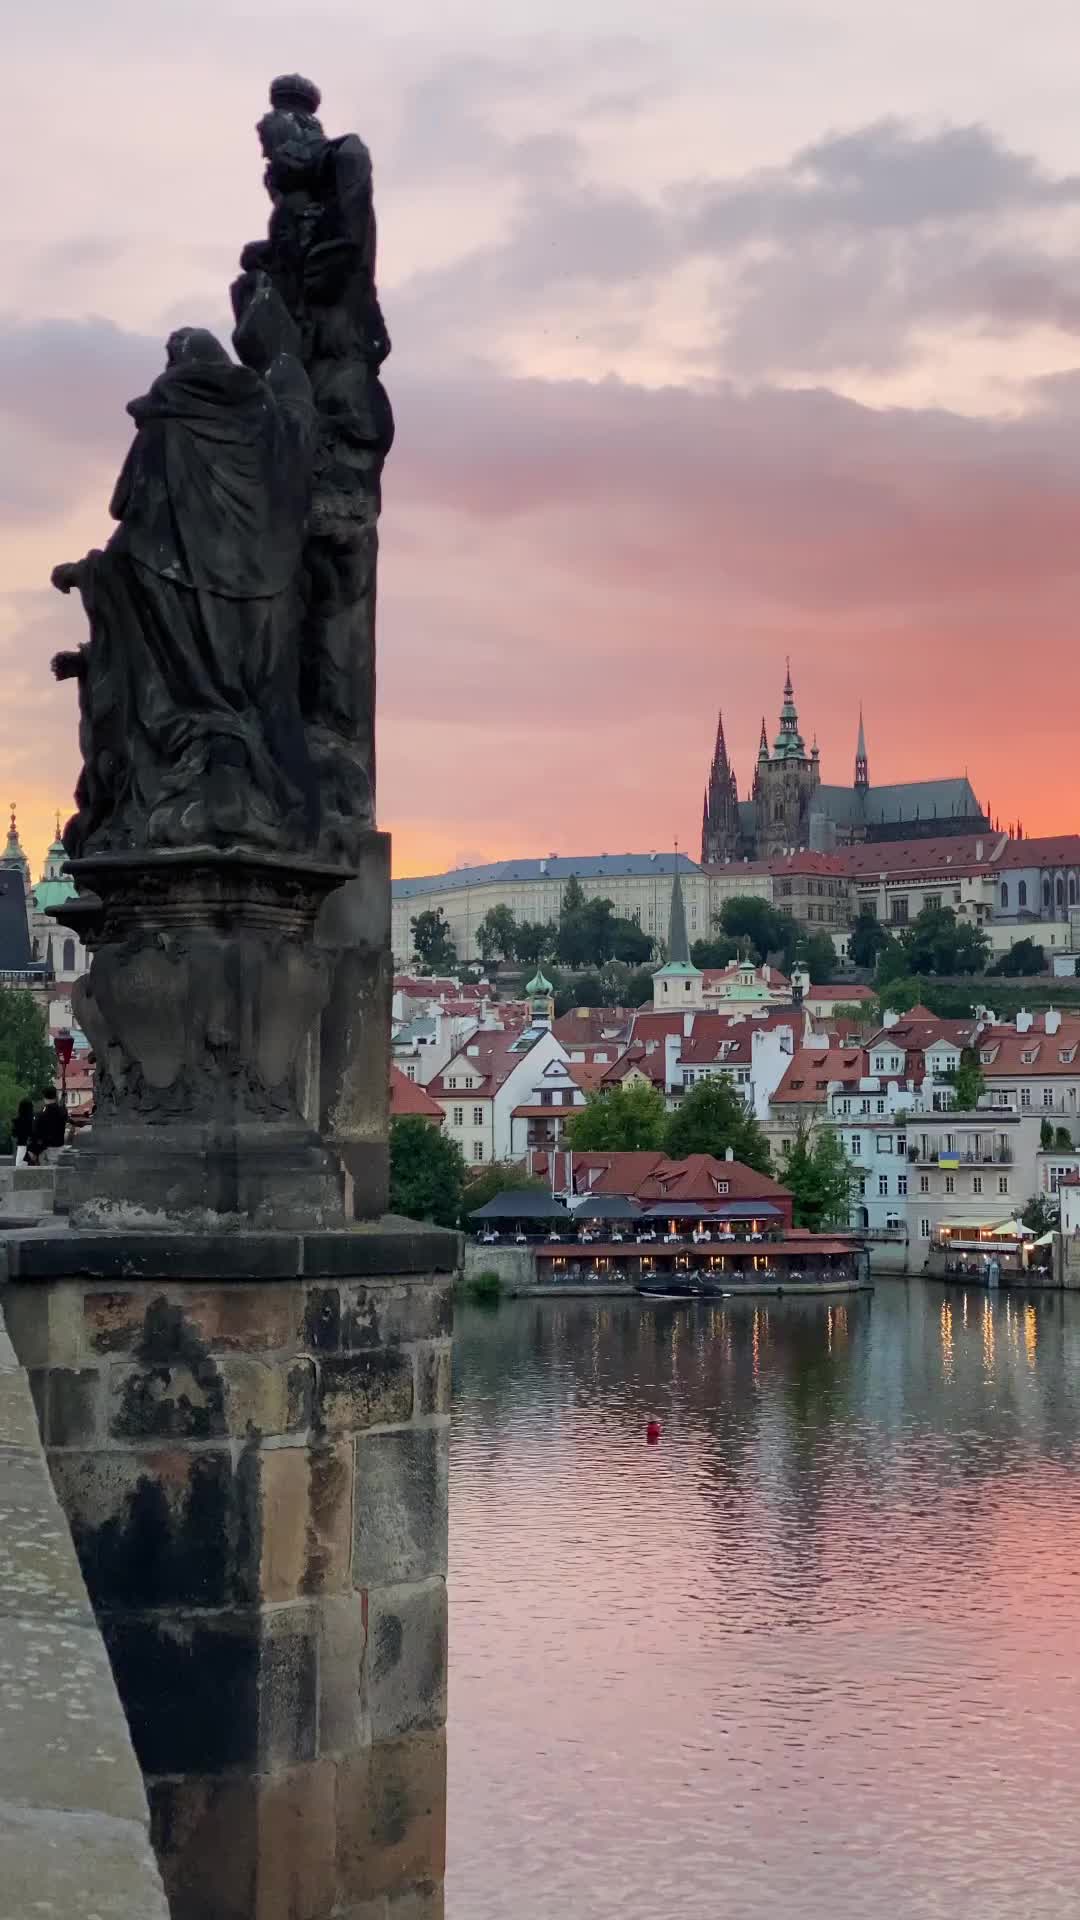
x,y
249,1435
204,1005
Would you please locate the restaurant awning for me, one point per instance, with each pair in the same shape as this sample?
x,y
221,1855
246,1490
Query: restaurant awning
x,y
712,1210
521,1203
1004,1229
607,1206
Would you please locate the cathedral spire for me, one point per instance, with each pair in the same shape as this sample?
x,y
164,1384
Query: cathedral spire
x,y
862,765
790,744
763,745
720,820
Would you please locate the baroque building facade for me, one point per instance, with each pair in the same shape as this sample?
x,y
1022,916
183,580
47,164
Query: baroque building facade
x,y
789,808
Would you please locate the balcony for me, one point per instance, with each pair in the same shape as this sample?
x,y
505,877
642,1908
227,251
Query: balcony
x,y
977,1157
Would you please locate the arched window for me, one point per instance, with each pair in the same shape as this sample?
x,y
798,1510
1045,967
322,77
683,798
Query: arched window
x,y
1004,894
1072,889
69,956
1046,893
1059,891
1021,893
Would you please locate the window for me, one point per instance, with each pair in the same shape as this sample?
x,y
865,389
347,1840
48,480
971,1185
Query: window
x,y
1072,889
689,1076
898,911
1003,1183
1021,893
1025,1096
901,1143
451,1081
883,1186
1005,894
1059,891
457,1118
976,1184
950,1183
69,956
410,1071
932,900
924,1229
862,1186
723,1186
881,1106
478,1116
478,1150
856,1146
896,1061
1046,894
901,1186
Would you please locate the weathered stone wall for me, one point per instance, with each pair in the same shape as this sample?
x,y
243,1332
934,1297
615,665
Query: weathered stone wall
x,y
255,1474
74,1823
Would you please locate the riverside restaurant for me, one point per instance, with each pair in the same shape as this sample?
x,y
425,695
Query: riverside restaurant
x,y
667,1247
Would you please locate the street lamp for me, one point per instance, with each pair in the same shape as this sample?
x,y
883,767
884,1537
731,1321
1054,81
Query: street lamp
x,y
64,1045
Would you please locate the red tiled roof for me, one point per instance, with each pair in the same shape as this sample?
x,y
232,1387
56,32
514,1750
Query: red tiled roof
x,y
1052,850
952,853
696,1177
813,1069
407,1098
1035,1052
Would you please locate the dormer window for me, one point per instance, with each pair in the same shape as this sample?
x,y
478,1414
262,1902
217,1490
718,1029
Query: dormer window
x,y
722,1186
1029,1056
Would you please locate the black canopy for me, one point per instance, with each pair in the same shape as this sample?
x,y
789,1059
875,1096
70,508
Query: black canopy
x,y
607,1206
521,1203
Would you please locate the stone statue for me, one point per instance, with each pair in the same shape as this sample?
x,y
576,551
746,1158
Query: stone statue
x,y
189,684
320,257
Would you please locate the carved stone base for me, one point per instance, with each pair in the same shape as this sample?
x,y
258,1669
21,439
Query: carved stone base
x,y
202,1005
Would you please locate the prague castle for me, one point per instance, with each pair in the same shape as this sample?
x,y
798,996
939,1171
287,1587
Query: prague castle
x,y
790,809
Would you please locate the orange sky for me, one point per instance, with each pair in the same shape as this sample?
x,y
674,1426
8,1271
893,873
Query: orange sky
x,y
754,340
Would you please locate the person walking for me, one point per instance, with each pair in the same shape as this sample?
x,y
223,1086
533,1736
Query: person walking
x,y
50,1128
22,1130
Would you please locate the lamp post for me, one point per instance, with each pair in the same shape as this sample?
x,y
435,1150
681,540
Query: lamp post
x,y
64,1045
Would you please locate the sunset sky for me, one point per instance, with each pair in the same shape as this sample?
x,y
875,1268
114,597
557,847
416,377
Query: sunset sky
x,y
721,332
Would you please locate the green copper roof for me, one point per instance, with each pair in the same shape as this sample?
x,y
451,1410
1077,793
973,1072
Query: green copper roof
x,y
52,893
538,984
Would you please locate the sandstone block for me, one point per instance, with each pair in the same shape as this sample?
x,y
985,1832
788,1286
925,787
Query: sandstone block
x,y
343,1718
301,1516
406,1658
322,1319
296,1838
44,1324
191,1689
205,1837
389,1312
359,1390
391,1818
401,1506
155,1528
433,1378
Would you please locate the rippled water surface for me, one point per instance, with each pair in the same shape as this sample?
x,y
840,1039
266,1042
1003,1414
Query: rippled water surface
x,y
816,1654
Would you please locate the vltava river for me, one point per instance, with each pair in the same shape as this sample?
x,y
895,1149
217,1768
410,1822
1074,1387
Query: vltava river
x,y
815,1655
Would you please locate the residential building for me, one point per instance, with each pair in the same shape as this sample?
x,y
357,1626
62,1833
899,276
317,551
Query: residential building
x,y
789,808
1033,1065
813,887
968,1169
491,1075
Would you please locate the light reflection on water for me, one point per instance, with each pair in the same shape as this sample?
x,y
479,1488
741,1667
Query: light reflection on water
x,y
811,1656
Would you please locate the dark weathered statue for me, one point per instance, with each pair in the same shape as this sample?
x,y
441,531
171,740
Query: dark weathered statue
x,y
320,257
189,684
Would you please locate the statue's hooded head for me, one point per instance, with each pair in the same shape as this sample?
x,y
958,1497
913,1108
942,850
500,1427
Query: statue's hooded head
x,y
194,343
291,135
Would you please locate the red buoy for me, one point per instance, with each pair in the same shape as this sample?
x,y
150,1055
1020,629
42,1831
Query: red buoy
x,y
652,1432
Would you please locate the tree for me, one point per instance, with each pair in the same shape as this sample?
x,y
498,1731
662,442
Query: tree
x,y
24,1043
500,1176
892,963
1040,1214
496,936
898,995
818,956
714,953
630,944
745,917
867,939
1046,1136
968,1081
1063,1140
535,941
713,1118
1022,959
821,1178
572,942
432,943
936,942
619,1119
427,1172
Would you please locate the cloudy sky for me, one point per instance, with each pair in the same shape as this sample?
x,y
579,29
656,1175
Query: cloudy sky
x,y
722,331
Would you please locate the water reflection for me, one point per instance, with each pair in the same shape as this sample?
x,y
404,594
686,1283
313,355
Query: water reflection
x,y
811,1655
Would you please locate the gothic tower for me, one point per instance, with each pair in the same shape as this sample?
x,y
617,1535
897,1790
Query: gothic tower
x,y
784,784
720,815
